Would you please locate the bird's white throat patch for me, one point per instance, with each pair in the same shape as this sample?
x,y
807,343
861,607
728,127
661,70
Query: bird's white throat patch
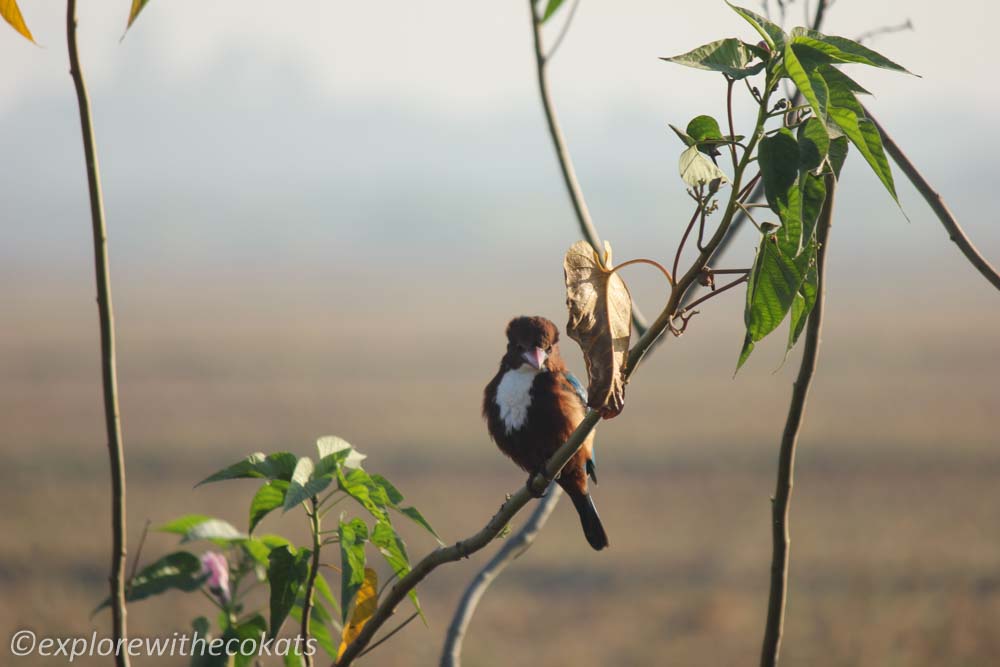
x,y
514,396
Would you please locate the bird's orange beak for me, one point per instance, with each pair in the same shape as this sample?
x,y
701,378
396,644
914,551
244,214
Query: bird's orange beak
x,y
536,357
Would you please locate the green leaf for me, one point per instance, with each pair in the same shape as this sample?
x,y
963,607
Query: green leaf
x,y
804,71
319,625
272,466
551,9
391,492
391,546
359,485
12,15
253,628
268,498
286,573
835,79
194,527
843,49
814,143
414,515
259,548
353,536
202,629
331,445
323,588
704,127
304,484
838,153
775,280
180,570
688,141
803,304
778,156
730,56
184,524
866,138
813,190
772,33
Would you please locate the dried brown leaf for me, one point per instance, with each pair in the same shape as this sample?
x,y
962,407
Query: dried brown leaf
x,y
600,320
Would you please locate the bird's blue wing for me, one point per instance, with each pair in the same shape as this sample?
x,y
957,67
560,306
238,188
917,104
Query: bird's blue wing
x,y
582,393
577,387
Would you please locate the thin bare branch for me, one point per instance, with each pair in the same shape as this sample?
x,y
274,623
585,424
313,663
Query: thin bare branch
x,y
513,548
781,503
562,153
562,33
884,30
109,371
934,200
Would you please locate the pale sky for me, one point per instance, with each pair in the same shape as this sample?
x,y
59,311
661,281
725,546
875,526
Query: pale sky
x,y
355,122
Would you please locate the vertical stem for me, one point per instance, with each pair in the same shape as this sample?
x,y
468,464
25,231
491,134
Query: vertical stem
x,y
109,371
780,504
307,601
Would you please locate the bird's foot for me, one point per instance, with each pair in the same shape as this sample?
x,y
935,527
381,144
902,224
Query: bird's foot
x,y
531,486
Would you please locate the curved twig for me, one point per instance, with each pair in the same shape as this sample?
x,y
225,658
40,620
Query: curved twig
x,y
562,153
781,502
109,372
934,200
451,655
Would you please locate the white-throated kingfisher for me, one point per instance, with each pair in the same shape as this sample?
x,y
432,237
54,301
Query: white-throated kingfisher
x,y
533,405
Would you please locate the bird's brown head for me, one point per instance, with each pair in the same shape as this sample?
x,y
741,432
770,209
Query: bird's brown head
x,y
532,341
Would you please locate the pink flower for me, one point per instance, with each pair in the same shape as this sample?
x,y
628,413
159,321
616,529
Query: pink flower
x,y
216,567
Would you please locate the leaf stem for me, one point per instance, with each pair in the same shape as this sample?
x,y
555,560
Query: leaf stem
x,y
651,262
729,111
389,636
716,292
307,594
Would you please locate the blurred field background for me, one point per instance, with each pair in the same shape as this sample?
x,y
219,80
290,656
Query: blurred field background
x,y
322,226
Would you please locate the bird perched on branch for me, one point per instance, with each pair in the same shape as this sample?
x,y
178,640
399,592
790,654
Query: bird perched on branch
x,y
533,405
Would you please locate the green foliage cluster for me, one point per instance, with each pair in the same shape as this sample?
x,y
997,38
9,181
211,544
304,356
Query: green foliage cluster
x,y
288,482
794,158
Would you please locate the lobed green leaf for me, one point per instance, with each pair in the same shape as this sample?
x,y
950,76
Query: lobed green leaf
x,y
180,570
268,498
730,56
772,33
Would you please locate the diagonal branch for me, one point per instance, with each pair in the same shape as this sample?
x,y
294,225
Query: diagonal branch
x,y
109,372
562,153
541,481
781,502
934,200
513,548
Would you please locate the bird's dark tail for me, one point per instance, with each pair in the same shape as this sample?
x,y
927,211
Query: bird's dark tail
x,y
592,527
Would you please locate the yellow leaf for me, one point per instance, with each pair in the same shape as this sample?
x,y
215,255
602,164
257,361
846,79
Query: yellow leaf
x,y
12,14
133,12
365,604
600,320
